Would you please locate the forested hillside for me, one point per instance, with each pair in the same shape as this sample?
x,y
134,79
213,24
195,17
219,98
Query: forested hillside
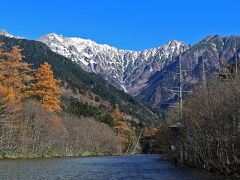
x,y
85,84
33,122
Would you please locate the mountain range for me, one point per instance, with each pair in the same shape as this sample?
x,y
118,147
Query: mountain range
x,y
125,69
151,74
203,59
85,93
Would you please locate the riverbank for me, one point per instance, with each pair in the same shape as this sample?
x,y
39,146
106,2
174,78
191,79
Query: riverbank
x,y
54,155
213,171
184,165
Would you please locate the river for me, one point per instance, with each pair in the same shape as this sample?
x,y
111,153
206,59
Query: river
x,y
137,167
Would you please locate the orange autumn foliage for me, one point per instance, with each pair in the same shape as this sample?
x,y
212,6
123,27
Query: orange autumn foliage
x,y
13,77
152,132
8,97
120,126
46,88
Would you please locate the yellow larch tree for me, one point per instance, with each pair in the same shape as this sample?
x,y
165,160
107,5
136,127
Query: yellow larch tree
x,y
2,88
14,74
120,126
152,132
46,89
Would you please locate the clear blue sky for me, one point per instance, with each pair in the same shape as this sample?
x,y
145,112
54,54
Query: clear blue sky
x,y
125,24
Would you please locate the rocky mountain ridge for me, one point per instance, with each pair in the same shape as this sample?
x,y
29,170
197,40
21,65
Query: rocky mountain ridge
x,y
204,59
125,69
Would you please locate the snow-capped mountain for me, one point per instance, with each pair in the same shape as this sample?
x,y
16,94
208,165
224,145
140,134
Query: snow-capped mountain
x,y
212,53
5,33
125,69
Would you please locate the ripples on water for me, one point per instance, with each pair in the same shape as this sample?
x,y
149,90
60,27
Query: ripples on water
x,y
138,167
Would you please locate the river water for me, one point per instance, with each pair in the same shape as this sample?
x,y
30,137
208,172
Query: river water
x,y
137,167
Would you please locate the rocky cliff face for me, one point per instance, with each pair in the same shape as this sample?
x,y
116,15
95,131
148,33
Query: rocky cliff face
x,y
125,69
208,56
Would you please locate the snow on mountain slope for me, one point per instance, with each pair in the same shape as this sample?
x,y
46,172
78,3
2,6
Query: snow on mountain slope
x,y
125,69
5,33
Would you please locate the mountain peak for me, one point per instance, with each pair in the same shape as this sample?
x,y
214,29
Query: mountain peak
x,y
174,42
53,34
209,38
73,40
3,32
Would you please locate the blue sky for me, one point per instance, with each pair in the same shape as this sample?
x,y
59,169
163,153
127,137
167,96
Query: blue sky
x,y
125,24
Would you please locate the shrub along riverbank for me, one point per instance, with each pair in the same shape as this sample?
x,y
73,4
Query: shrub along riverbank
x,y
37,133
